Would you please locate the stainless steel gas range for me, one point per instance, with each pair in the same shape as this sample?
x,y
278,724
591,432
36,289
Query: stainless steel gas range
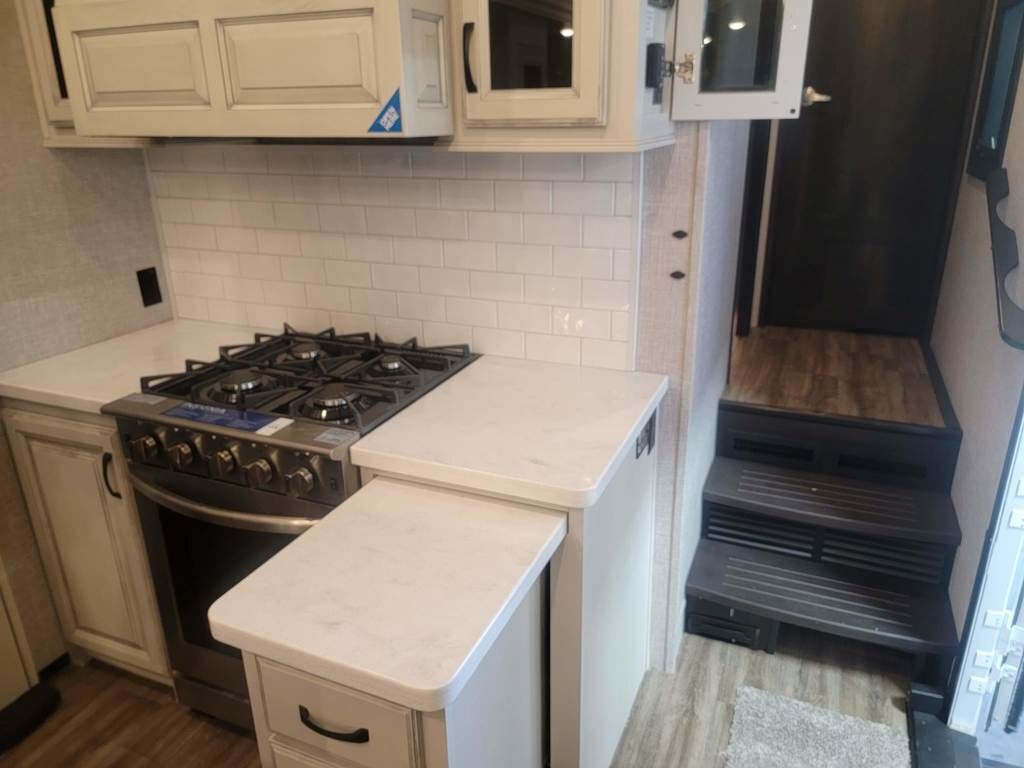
x,y
232,459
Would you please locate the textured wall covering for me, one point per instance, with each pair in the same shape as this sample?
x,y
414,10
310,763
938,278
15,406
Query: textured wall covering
x,y
983,374
519,255
684,332
75,225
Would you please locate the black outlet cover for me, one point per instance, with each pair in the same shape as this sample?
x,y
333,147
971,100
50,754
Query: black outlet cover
x,y
149,286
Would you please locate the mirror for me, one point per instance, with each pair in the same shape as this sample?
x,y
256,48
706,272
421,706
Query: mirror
x,y
1002,69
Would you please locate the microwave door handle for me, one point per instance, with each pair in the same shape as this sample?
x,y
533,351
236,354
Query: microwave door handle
x,y
223,517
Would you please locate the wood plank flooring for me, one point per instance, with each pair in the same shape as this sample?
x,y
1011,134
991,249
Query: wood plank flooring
x,y
683,720
831,372
109,718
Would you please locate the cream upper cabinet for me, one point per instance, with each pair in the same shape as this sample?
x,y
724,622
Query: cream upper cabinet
x,y
259,68
558,75
89,537
740,59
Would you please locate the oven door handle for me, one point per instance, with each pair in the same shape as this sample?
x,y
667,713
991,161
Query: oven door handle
x,y
224,517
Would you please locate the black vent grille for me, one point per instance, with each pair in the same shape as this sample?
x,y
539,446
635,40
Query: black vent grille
x,y
734,527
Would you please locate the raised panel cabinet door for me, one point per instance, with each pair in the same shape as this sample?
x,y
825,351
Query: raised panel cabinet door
x,y
89,538
534,62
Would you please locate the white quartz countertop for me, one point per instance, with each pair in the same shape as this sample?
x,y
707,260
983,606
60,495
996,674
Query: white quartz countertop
x,y
399,592
90,377
541,432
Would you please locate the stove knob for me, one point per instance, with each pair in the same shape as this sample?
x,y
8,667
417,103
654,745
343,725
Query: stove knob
x,y
144,448
300,482
222,463
180,455
258,473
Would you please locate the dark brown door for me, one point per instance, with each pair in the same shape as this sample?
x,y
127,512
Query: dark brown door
x,y
862,184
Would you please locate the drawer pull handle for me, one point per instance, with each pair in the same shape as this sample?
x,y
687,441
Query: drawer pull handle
x,y
107,458
358,736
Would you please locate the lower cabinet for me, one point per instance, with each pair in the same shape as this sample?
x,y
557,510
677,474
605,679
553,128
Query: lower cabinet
x,y
82,510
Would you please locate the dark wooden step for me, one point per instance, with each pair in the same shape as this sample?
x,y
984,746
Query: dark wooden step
x,y
832,501
906,455
906,615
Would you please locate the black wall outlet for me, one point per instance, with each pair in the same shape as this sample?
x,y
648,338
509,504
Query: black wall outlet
x,y
149,286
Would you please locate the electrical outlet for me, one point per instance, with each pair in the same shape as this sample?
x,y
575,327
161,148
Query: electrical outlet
x,y
984,659
994,619
977,684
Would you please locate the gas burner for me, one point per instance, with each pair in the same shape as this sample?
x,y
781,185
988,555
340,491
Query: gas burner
x,y
240,382
345,404
391,363
307,350
245,387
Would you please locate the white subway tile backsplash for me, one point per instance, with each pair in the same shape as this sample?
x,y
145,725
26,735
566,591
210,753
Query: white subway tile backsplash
x,y
467,195
421,306
608,167
583,197
391,221
443,225
301,216
369,248
236,239
444,282
350,273
469,255
583,262
519,255
419,252
314,245
342,218
588,323
496,227
607,232
557,291
568,167
496,285
606,294
553,349
494,341
523,196
524,317
303,270
552,229
394,277
278,242
494,166
472,312
372,302
283,293
524,259
413,193
441,334
265,316
330,297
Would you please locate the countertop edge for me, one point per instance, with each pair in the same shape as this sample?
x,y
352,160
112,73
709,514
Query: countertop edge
x,y
43,397
420,699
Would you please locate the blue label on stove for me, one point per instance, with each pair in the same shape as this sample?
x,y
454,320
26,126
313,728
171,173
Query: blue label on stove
x,y
245,421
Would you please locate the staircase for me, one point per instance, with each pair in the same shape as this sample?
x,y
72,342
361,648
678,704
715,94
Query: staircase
x,y
839,525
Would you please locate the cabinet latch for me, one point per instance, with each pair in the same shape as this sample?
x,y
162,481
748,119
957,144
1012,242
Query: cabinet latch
x,y
645,440
681,69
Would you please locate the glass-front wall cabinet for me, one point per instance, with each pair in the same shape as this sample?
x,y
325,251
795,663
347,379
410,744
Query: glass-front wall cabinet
x,y
527,62
740,59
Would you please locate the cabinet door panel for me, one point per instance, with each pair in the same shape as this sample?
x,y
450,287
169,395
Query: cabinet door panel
x,y
143,67
311,59
89,540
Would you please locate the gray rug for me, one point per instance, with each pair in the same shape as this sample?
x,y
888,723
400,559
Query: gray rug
x,y
770,731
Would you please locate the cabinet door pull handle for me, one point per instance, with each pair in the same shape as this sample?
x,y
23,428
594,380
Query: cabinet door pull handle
x,y
467,67
358,736
107,458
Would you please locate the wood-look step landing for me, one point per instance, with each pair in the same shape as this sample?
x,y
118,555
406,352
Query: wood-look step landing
x,y
831,501
902,614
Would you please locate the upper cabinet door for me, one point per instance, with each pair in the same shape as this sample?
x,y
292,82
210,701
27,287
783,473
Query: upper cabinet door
x,y
534,62
276,68
740,59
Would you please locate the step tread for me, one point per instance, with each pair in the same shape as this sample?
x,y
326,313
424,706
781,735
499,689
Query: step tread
x,y
902,614
832,501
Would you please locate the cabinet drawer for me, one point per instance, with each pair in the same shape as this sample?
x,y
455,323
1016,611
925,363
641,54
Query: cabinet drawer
x,y
290,758
391,741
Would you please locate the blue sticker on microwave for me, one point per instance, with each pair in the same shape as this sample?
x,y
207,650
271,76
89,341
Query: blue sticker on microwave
x,y
390,118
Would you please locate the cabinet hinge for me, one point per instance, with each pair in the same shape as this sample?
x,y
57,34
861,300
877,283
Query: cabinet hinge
x,y
681,69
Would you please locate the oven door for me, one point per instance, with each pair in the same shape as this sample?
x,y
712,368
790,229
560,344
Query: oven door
x,y
203,537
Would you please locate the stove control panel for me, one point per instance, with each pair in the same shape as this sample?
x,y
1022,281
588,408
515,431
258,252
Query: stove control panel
x,y
253,463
